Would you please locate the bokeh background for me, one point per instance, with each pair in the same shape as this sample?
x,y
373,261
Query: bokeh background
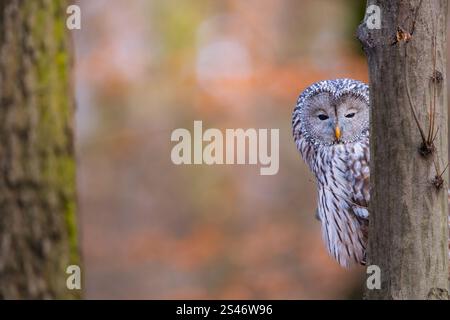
x,y
153,230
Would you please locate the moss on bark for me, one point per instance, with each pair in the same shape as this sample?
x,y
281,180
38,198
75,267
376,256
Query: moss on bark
x,y
38,233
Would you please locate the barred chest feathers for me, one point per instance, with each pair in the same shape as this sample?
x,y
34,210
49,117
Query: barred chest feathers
x,y
343,229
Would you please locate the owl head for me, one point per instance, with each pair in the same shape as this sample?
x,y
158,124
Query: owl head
x,y
332,111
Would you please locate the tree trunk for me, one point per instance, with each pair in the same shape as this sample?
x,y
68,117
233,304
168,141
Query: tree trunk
x,y
408,224
38,238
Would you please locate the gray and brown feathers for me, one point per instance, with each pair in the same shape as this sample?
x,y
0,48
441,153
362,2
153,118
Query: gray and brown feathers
x,y
331,130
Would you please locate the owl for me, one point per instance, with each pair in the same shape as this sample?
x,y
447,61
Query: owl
x,y
331,130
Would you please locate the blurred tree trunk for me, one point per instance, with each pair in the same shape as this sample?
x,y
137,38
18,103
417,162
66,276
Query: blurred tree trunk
x,y
408,224
38,238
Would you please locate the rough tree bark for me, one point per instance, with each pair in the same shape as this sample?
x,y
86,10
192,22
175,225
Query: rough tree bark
x,y
408,225
38,237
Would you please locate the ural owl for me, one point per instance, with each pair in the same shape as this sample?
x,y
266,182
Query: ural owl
x,y
331,131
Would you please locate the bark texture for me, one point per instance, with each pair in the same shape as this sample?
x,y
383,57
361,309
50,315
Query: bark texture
x,y
38,238
408,230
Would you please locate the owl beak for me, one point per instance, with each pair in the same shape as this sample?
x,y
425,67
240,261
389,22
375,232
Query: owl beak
x,y
337,132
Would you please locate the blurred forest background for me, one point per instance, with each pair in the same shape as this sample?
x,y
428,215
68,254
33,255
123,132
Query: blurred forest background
x,y
153,230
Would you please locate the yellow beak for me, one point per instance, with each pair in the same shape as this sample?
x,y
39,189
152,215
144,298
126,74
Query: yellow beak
x,y
337,132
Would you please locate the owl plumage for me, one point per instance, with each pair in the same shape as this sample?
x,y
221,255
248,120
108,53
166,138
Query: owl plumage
x,y
331,131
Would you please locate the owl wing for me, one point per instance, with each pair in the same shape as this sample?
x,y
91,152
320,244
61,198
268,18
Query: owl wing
x,y
358,176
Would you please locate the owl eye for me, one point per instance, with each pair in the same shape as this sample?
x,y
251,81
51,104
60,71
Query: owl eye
x,y
322,117
350,115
